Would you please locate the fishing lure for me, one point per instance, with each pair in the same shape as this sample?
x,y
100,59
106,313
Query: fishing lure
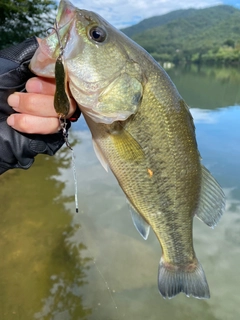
x,y
62,103
61,100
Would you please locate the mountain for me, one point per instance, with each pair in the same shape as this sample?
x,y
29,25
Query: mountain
x,y
192,35
157,21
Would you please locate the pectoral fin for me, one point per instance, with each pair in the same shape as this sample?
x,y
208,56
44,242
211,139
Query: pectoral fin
x,y
212,201
126,145
140,224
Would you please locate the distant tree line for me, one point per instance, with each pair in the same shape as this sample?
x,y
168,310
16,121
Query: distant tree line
x,y
227,54
210,35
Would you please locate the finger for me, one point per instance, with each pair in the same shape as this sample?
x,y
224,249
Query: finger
x,y
33,104
36,104
41,85
33,124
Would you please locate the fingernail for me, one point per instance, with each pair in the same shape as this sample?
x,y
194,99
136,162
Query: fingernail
x,y
13,100
10,121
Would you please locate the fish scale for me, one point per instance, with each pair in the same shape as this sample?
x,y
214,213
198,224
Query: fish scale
x,y
143,131
144,191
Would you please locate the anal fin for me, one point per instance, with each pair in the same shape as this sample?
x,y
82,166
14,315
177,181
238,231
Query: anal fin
x,y
140,224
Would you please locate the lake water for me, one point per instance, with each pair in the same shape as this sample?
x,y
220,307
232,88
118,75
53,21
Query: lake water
x,y
59,265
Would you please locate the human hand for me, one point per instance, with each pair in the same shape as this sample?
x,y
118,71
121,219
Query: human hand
x,y
36,113
35,110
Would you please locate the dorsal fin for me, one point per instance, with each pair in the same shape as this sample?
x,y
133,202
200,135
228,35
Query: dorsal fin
x,y
212,201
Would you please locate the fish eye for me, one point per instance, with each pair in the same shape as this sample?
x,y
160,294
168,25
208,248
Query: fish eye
x,y
97,34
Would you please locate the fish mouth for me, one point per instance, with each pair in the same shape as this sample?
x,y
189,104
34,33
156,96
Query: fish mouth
x,y
58,42
66,12
61,34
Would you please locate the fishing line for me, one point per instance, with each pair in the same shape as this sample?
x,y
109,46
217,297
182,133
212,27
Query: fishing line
x,y
73,170
75,180
63,125
62,103
107,286
119,316
62,109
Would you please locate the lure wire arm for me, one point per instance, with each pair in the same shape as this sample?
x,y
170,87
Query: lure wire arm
x,y
56,29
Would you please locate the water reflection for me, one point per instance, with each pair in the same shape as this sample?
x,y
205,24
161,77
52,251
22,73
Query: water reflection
x,y
67,267
94,265
41,271
207,87
218,136
127,265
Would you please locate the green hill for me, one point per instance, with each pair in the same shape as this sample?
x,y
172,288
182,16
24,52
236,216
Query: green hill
x,y
192,35
157,21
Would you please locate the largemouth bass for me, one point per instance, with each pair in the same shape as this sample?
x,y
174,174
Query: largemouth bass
x,y
143,131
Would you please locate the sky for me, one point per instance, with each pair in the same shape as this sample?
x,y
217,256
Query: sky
x,y
129,12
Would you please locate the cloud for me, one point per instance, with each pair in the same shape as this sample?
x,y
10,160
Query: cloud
x,y
125,13
203,116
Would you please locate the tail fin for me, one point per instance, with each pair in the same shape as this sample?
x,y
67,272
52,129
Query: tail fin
x,y
189,279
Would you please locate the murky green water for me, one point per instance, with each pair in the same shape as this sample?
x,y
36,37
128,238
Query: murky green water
x,y
59,265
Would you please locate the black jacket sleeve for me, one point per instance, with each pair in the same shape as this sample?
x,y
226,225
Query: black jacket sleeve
x,y
17,150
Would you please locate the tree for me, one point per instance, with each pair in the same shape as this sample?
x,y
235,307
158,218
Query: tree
x,y
22,18
229,43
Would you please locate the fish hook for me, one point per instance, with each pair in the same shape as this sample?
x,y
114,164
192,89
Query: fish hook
x,y
56,29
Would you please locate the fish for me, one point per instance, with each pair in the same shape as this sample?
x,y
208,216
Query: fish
x,y
143,131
